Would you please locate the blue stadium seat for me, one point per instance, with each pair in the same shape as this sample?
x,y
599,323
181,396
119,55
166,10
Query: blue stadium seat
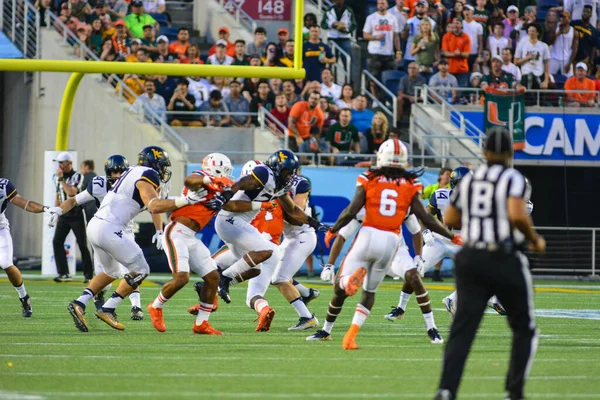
x,y
392,74
559,80
160,17
168,31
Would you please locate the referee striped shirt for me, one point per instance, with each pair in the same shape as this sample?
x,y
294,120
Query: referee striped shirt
x,y
482,199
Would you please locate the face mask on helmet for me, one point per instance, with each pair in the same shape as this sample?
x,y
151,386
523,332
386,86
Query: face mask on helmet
x,y
284,165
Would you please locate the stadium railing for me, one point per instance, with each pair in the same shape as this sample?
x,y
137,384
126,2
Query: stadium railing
x,y
267,121
343,68
241,17
20,21
365,78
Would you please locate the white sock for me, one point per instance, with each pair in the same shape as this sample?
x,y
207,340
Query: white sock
x,y
237,268
404,298
493,299
260,304
85,297
360,315
304,291
203,313
344,281
301,308
113,302
160,301
135,299
21,290
429,320
328,326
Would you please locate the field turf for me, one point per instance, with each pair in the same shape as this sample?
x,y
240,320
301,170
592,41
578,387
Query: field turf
x,y
46,357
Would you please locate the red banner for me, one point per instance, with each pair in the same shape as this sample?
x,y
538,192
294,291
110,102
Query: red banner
x,y
265,10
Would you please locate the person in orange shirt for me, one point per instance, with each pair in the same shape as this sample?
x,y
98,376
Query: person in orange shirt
x,y
580,82
183,42
304,115
223,35
456,47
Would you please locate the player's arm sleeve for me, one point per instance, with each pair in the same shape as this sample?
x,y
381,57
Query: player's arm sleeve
x,y
84,197
350,229
150,176
362,180
11,190
261,174
412,224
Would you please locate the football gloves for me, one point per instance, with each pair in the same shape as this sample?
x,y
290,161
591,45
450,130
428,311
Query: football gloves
x,y
420,265
428,238
157,239
328,273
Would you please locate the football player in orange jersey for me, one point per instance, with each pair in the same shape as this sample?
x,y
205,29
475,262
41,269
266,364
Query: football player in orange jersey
x,y
387,192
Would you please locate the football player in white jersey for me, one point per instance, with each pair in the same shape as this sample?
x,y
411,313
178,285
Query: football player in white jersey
x,y
134,192
266,182
9,194
96,191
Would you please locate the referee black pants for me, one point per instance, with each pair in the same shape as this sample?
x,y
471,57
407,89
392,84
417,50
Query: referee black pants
x,y
63,227
479,275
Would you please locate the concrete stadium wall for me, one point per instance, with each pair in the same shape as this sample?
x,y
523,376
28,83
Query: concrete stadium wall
x,y
101,125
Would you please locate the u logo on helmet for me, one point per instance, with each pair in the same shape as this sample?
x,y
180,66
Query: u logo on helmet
x,y
157,154
282,156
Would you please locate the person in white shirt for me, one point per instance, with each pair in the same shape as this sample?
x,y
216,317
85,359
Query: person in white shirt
x,y
328,87
533,56
154,6
155,101
220,57
497,42
413,28
507,64
199,88
475,32
398,12
564,48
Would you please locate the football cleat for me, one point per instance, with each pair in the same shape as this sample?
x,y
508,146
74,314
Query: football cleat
x,y
434,336
305,323
63,278
77,311
349,340
205,329
444,394
26,306
224,289
137,314
110,317
264,319
99,300
449,303
355,281
497,307
396,313
156,317
314,293
319,336
194,309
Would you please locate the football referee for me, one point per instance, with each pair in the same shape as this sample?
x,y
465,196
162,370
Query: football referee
x,y
490,206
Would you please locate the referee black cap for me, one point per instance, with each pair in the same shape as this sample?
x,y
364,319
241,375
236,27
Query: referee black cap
x,y
498,140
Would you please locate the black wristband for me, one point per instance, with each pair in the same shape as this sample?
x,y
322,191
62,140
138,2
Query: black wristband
x,y
314,223
227,194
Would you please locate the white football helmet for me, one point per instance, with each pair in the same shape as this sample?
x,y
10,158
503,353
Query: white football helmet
x,y
217,165
392,153
249,167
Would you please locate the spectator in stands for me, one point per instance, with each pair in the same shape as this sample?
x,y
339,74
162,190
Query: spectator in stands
x,y
483,63
163,54
340,23
192,55
588,37
482,15
290,93
310,19
121,42
300,86
315,144
498,78
135,83
165,86
96,36
109,27
444,82
281,112
377,133
507,64
576,9
316,55
182,43
117,8
443,182
220,57
497,41
597,80
259,46
406,89
264,98
330,114
361,115
434,13
183,101
215,105
275,85
550,27
223,34
150,98
426,47
400,14
457,11
412,28
271,57
456,47
43,6
221,84
235,102
149,39
80,9
328,87
533,56
497,14
473,95
283,35
142,55
382,32
512,23
343,136
580,82
529,18
155,6
346,98
240,57
108,52
200,88
475,32
312,86
287,59
250,88
563,48
303,116
138,19
83,36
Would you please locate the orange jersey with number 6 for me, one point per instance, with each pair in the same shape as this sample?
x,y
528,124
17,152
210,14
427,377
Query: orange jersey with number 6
x,y
270,222
387,201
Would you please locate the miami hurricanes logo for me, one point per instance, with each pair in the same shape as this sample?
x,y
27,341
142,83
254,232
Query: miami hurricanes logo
x,y
157,154
282,156
493,114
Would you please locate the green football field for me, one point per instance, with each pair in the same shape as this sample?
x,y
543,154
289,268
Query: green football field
x,y
46,357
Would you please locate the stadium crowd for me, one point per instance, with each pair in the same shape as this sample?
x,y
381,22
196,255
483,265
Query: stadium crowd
x,y
451,45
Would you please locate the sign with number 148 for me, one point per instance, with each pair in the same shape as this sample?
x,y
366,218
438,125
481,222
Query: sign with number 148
x,y
269,10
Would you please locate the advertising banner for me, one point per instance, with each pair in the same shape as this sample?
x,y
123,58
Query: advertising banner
x,y
506,109
263,10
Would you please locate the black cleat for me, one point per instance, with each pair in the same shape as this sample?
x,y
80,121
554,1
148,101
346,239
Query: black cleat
x,y
198,288
26,306
224,289
314,293
99,301
434,336
396,313
137,314
63,278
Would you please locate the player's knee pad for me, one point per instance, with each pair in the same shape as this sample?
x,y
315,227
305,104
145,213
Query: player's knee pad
x,y
134,279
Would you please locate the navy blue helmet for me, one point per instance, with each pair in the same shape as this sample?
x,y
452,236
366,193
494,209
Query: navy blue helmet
x,y
156,158
113,164
457,175
284,165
